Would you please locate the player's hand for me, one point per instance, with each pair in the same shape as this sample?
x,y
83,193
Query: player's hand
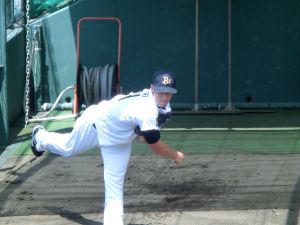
x,y
179,157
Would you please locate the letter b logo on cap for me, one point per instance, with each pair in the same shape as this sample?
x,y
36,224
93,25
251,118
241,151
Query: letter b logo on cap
x,y
166,80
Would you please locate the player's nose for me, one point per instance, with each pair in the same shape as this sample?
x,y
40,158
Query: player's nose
x,y
166,96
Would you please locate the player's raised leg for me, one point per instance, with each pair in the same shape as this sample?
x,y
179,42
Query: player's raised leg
x,y
82,138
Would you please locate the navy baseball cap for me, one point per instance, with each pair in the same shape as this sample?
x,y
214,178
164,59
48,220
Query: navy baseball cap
x,y
164,81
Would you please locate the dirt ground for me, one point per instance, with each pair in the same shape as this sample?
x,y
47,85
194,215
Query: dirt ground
x,y
207,189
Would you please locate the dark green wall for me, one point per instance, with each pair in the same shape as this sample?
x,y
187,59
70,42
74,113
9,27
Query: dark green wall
x,y
12,80
4,130
16,76
161,34
213,51
266,51
155,35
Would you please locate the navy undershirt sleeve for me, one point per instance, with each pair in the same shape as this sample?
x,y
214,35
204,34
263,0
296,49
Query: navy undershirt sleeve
x,y
151,136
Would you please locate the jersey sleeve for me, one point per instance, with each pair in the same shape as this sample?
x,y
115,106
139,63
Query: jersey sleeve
x,y
148,128
151,136
148,124
147,115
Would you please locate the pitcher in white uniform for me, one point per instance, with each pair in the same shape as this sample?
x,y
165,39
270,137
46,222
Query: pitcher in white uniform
x,y
112,125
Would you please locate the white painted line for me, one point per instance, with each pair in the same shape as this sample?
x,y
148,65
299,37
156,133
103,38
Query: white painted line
x,y
233,129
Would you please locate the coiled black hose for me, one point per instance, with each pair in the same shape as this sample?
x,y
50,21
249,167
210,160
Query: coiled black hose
x,y
97,84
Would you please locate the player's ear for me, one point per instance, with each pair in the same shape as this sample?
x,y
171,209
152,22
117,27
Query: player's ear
x,y
152,89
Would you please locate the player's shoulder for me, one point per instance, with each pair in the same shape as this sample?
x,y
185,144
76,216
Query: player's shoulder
x,y
145,93
145,102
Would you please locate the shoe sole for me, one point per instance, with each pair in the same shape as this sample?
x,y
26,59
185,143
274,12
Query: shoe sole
x,y
33,143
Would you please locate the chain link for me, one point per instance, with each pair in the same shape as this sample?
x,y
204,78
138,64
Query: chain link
x,y
27,63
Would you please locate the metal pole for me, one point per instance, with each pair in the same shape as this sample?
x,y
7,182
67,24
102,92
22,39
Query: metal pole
x,y
229,104
196,106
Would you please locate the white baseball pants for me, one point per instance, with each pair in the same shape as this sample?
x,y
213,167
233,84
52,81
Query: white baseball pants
x,y
115,158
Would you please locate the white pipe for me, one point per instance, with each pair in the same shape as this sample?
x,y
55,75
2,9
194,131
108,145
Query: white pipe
x,y
54,104
233,129
54,118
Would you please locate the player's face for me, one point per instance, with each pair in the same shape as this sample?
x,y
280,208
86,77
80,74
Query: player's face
x,y
162,98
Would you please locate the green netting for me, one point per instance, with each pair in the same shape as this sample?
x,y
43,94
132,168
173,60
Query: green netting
x,y
39,7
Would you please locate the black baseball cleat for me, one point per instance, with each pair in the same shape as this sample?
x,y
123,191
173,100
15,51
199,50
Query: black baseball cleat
x,y
33,141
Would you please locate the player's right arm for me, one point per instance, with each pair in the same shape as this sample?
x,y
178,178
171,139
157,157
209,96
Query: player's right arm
x,y
152,138
161,148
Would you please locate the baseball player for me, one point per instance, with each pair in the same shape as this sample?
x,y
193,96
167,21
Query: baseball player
x,y
112,125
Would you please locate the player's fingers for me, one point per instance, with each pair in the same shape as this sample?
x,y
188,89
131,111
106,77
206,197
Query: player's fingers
x,y
179,157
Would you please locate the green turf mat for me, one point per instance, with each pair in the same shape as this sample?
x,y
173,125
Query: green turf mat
x,y
204,141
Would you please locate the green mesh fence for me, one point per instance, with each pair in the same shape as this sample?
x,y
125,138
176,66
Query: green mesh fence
x,y
39,7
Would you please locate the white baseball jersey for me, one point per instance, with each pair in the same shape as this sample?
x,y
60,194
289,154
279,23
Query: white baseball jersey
x,y
113,123
115,120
